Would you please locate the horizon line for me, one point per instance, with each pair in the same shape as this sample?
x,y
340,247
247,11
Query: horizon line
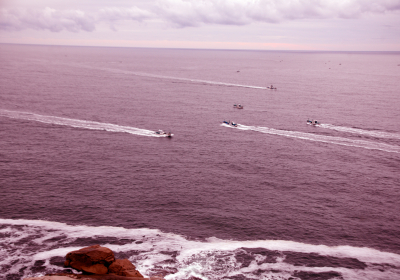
x,y
206,49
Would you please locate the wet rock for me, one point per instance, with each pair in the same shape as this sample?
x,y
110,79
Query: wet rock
x,y
57,261
38,266
95,269
306,275
93,259
126,254
317,260
124,268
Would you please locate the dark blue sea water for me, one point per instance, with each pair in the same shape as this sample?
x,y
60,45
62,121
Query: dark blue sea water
x,y
273,198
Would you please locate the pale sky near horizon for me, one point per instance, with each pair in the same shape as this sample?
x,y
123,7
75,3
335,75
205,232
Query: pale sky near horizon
x,y
331,25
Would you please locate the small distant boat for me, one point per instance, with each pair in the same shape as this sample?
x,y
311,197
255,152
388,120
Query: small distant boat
x,y
162,132
272,87
313,122
238,106
230,123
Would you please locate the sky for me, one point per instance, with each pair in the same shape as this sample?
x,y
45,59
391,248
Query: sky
x,y
329,25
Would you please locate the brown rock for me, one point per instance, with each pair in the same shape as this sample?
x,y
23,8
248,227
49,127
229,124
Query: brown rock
x,y
92,259
124,268
95,269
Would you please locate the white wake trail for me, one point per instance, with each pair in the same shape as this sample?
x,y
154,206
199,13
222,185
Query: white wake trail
x,y
323,138
78,123
373,133
143,74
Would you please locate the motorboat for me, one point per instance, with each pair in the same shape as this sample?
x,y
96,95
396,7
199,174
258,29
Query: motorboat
x,y
238,106
163,133
230,123
272,87
313,122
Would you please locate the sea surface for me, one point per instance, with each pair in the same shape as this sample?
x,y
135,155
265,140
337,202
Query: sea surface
x,y
272,198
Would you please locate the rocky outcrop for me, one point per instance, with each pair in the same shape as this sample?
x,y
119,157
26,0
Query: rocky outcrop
x,y
90,277
124,268
99,260
93,259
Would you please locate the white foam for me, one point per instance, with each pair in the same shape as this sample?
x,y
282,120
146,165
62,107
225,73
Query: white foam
x,y
373,133
372,145
202,259
78,123
192,270
170,241
362,254
287,270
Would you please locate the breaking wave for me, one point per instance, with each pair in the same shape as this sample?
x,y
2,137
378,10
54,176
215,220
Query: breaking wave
x,y
35,247
323,138
78,123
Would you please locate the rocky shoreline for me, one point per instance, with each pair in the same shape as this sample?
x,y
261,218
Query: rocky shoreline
x,y
64,276
96,262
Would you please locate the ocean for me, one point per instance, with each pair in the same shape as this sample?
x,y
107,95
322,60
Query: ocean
x,y
270,198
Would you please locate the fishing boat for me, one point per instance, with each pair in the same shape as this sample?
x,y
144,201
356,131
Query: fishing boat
x,y
163,133
230,123
238,106
313,122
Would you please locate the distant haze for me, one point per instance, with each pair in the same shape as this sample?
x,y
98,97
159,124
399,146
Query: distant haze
x,y
355,25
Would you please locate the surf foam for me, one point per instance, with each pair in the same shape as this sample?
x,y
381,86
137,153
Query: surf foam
x,y
39,245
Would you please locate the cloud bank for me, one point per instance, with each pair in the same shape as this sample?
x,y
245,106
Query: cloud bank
x,y
189,13
47,18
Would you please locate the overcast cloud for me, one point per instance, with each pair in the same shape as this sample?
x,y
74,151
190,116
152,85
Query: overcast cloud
x,y
47,18
181,13
254,24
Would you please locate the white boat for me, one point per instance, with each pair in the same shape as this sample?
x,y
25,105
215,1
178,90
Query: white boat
x,y
230,123
238,106
313,122
162,132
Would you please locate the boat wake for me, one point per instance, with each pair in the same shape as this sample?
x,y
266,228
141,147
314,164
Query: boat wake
x,y
143,74
372,145
78,123
34,247
373,133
